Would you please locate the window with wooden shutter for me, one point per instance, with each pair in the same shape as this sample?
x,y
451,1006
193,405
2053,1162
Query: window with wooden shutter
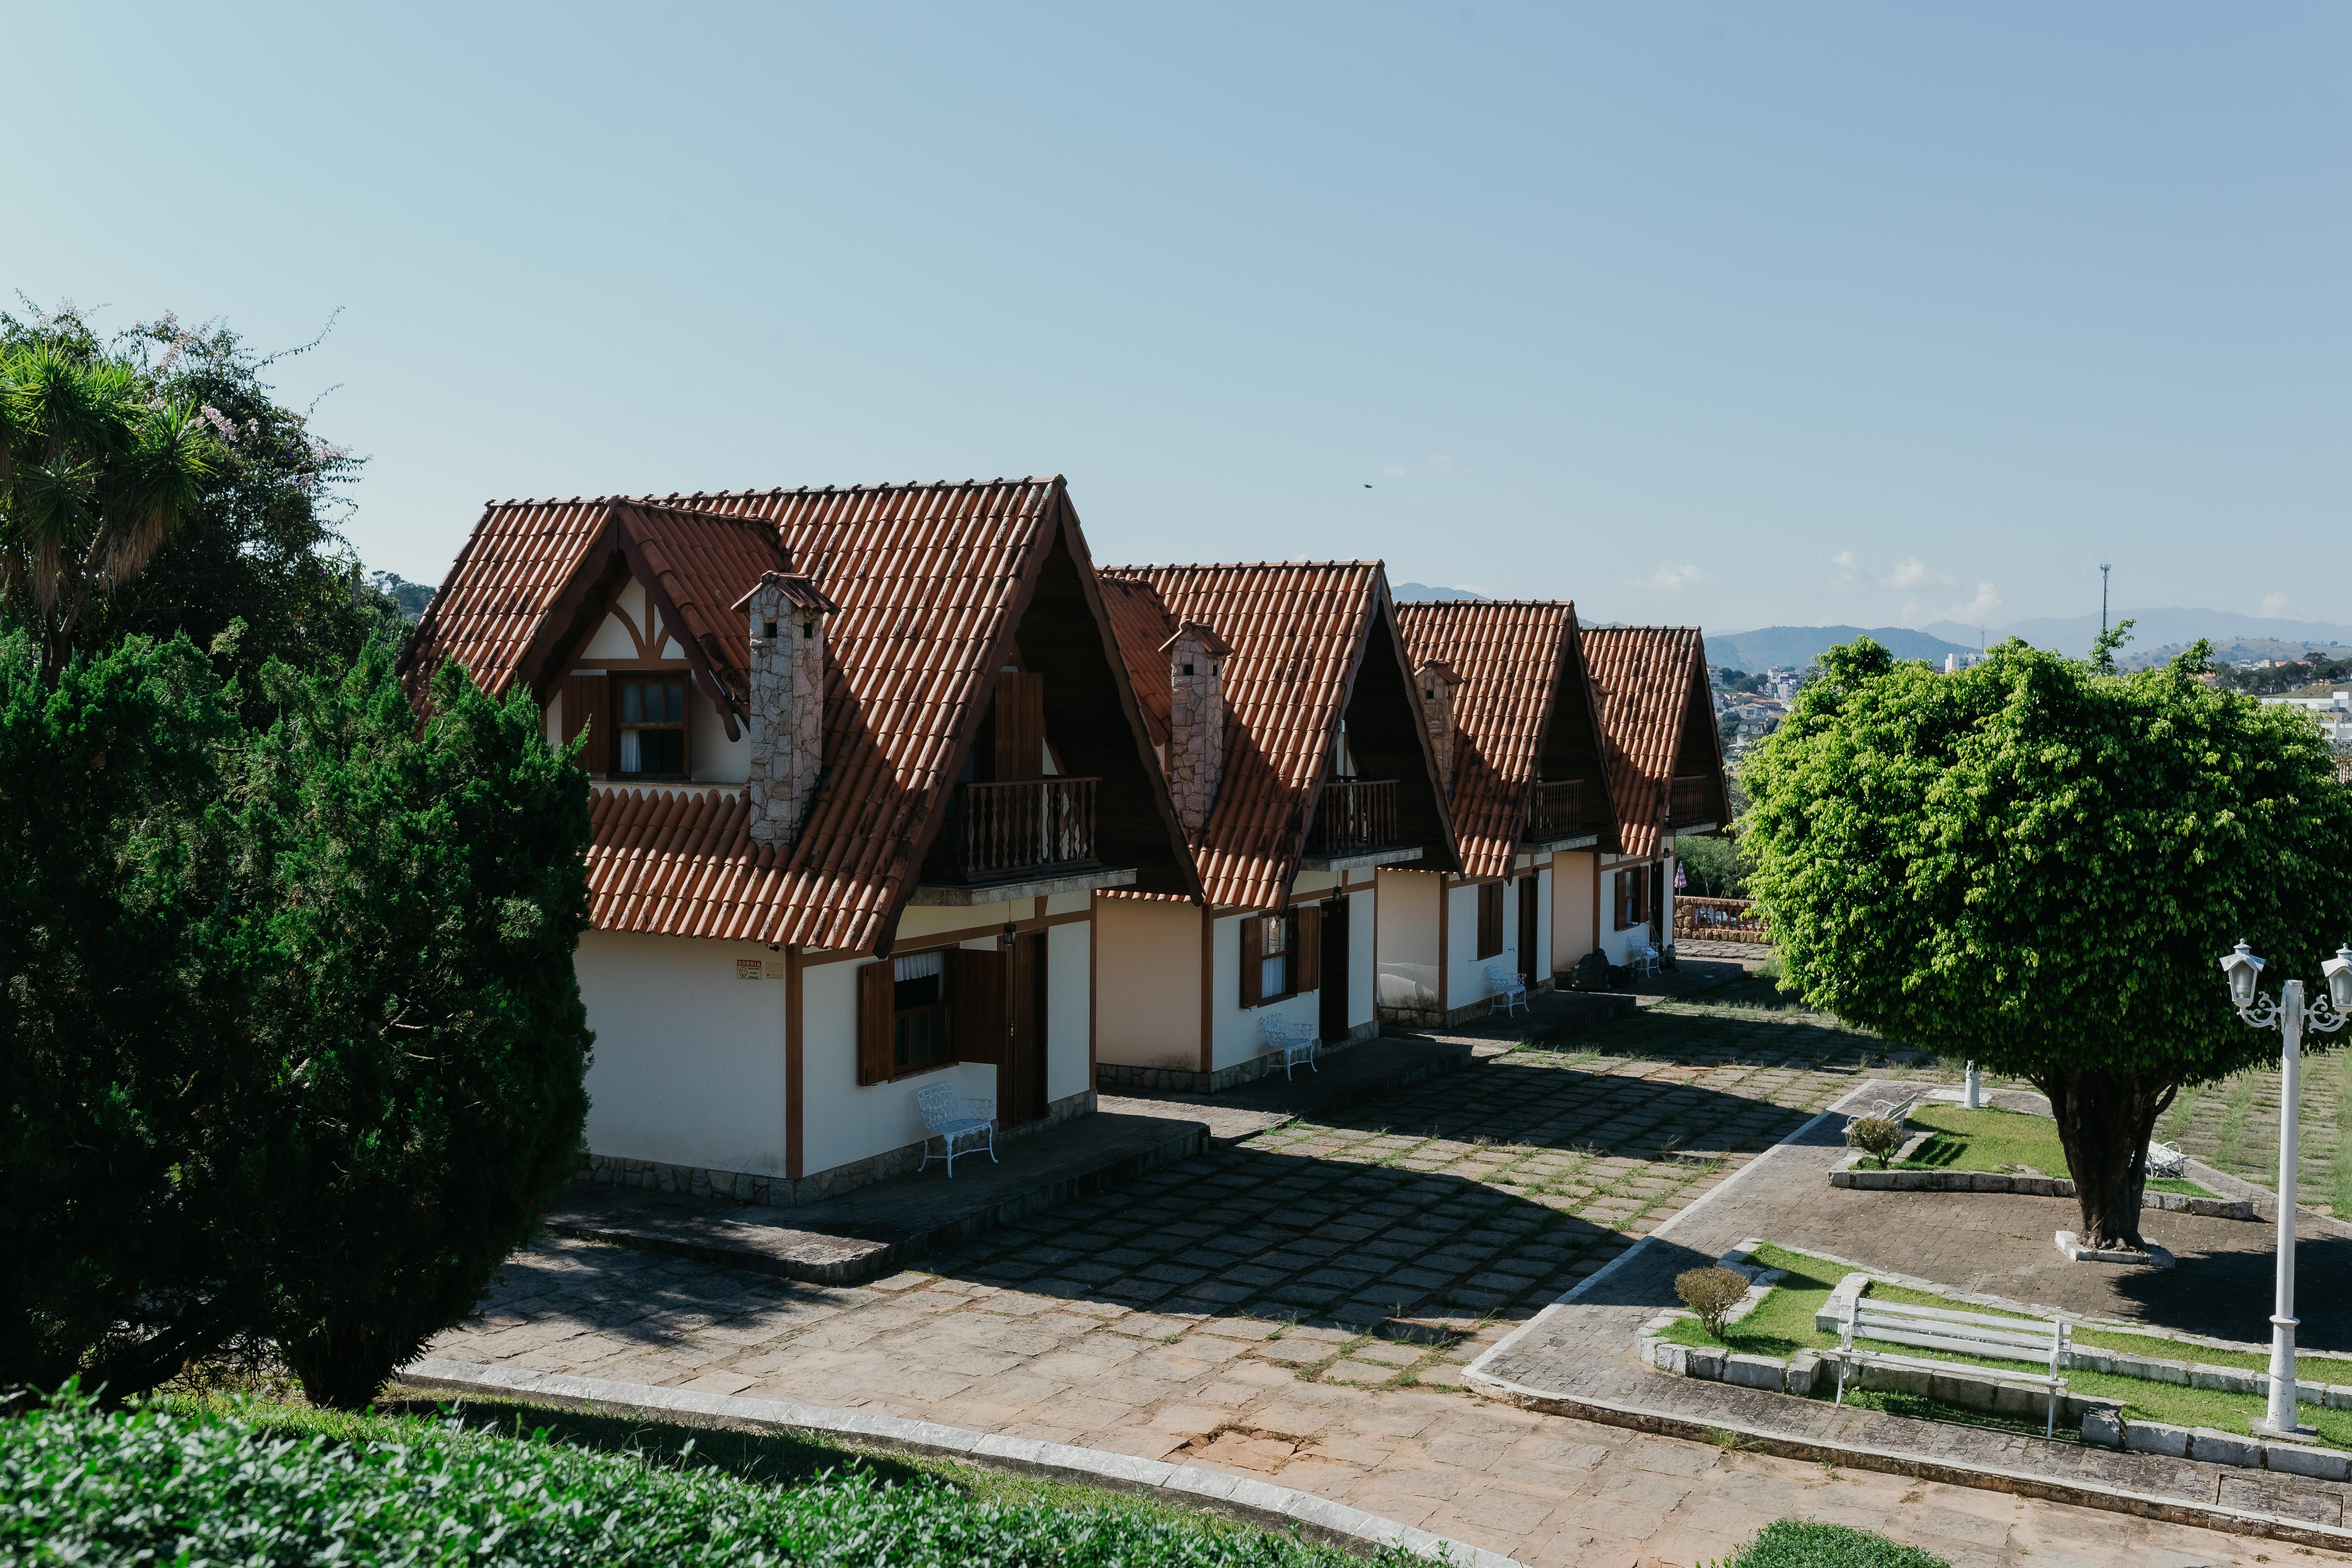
x,y
876,1015
1307,962
586,706
976,982
1020,727
1252,961
1490,920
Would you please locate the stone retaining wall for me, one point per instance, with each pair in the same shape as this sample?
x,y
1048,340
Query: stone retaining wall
x,y
1189,1080
2029,1186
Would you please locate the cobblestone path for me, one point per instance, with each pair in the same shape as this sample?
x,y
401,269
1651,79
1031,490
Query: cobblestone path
x,y
1298,1303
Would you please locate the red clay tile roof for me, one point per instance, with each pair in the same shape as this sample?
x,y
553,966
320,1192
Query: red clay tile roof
x,y
1144,627
1299,633
930,581
1512,661
1644,677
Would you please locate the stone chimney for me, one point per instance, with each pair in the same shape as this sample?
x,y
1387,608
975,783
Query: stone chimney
x,y
1196,722
786,702
1438,683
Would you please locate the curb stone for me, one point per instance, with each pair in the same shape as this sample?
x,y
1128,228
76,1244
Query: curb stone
x,y
1259,1502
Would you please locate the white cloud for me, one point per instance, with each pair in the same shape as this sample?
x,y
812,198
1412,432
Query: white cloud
x,y
1913,572
1672,578
1848,570
2274,606
1977,611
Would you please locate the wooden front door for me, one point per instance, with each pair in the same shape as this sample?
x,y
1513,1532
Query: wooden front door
x,y
1658,905
1021,1074
1534,964
1331,1009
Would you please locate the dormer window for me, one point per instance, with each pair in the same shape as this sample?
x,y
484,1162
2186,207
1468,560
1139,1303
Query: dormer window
x,y
650,718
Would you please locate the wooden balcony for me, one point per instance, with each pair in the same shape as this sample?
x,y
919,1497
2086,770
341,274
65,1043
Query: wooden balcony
x,y
1354,816
1694,800
1562,808
1000,831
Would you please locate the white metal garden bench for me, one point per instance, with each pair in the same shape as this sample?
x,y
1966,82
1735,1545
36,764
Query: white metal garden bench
x,y
1939,1328
1508,983
958,1121
2165,1161
1290,1038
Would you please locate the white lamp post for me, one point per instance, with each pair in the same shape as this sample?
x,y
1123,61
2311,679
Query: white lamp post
x,y
2289,1014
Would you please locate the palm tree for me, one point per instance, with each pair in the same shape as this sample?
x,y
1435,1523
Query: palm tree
x,y
95,473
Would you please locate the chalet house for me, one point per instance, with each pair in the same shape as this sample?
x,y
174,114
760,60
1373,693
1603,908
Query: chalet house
x,y
1517,736
863,761
1283,707
1665,779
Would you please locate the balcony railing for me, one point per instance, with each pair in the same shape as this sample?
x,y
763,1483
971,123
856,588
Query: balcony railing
x,y
1002,830
1693,800
1354,816
1559,810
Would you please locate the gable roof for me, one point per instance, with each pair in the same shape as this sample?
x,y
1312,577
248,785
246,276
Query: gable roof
x,y
531,584
1643,676
1301,634
931,582
1512,660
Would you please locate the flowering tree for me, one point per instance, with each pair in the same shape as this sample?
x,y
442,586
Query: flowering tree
x,y
2034,863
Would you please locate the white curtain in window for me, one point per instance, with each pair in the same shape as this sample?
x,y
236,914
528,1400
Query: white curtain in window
x,y
921,966
630,757
1272,977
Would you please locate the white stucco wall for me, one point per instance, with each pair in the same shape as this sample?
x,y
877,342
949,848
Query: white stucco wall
x,y
1406,927
1148,970
1066,1022
844,1120
613,638
1466,971
1363,947
1238,1035
689,1063
714,757
1617,943
1537,965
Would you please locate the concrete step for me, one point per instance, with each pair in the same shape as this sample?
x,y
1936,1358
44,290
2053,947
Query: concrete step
x,y
881,1228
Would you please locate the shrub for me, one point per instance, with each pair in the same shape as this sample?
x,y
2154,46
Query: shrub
x,y
1807,1543
79,1487
1878,1136
1711,1292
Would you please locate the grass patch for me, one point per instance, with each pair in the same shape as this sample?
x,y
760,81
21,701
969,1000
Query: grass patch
x,y
1997,1140
1782,1324
195,1478
1809,1543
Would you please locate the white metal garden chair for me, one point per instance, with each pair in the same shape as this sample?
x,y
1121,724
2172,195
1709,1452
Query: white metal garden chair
x,y
1642,960
1292,1037
960,1123
1506,984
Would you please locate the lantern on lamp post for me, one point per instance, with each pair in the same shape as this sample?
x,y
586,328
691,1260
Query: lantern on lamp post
x,y
2290,1015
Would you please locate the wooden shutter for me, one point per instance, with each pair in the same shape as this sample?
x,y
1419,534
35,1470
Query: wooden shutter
x,y
587,705
1252,961
1307,950
1020,727
976,1004
1490,918
877,1013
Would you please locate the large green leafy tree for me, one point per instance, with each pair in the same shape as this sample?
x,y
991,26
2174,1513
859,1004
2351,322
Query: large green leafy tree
x,y
2035,862
427,893
290,1043
251,537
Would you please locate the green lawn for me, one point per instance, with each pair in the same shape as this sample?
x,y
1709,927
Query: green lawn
x,y
198,1478
2006,1140
1782,1324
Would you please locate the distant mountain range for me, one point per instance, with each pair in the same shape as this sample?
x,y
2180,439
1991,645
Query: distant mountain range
x,y
1402,591
2234,636
1797,647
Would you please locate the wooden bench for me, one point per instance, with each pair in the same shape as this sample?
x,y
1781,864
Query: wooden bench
x,y
1940,1329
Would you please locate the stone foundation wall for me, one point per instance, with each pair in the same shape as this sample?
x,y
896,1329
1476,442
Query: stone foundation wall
x,y
1430,1018
781,1192
1855,1176
1180,1080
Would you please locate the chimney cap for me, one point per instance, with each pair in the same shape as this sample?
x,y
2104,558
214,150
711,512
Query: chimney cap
x,y
1438,669
1211,643
800,590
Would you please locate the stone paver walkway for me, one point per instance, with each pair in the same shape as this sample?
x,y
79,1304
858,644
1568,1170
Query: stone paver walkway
x,y
1299,1304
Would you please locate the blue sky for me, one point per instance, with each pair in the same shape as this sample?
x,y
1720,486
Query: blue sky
x,y
1712,313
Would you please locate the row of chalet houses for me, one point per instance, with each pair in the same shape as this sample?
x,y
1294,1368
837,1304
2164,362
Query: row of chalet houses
x,y
895,787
